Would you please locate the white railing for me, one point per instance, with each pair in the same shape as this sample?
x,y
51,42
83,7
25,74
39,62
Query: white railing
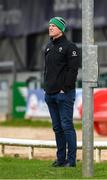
x,y
31,144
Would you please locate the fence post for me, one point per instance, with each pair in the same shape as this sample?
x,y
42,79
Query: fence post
x,y
98,155
2,150
30,152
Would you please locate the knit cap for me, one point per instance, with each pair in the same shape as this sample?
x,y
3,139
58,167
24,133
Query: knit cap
x,y
59,22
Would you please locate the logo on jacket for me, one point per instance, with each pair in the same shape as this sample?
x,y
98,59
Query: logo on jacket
x,y
74,53
60,49
47,49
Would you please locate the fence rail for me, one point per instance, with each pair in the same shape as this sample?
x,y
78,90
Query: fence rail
x,y
31,144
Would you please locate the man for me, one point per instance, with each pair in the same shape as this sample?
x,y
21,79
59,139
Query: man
x,y
61,69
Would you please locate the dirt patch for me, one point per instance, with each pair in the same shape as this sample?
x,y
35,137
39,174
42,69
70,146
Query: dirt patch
x,y
40,134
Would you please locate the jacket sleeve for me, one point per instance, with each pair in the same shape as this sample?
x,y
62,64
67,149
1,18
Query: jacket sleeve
x,y
73,61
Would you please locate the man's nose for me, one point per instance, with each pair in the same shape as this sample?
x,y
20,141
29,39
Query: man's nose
x,y
50,27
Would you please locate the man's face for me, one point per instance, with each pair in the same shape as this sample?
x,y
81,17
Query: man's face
x,y
54,31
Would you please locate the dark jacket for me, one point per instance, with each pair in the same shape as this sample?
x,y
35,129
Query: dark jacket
x,y
61,65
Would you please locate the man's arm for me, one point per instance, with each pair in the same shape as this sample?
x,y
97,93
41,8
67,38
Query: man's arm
x,y
73,61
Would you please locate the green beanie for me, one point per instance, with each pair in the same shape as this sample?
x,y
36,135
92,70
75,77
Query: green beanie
x,y
59,22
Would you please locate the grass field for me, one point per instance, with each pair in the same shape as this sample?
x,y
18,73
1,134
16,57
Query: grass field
x,y
33,123
14,168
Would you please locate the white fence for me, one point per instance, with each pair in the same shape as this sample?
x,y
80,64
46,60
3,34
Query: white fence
x,y
31,144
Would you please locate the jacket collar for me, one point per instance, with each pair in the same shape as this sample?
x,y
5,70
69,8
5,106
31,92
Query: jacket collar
x,y
58,40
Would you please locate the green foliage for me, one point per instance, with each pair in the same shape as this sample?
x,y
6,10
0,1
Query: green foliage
x,y
13,168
